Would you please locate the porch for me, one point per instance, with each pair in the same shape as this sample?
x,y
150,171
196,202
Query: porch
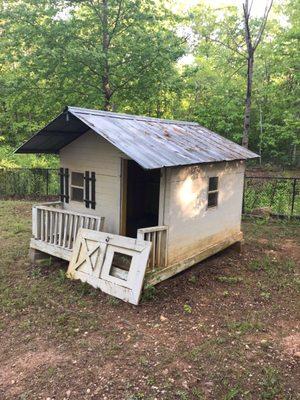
x,y
54,231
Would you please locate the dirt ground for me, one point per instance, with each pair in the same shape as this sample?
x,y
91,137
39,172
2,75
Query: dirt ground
x,y
225,329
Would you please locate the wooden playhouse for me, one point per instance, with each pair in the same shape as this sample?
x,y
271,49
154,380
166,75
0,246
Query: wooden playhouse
x,y
173,183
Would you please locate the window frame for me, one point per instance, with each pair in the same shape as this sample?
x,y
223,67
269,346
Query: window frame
x,y
214,191
77,187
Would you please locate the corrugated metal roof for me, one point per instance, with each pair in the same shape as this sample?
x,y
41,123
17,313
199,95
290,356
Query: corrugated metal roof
x,y
151,142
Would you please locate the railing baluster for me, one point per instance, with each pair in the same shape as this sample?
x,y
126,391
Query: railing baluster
x,y
71,231
159,237
50,226
55,227
75,228
46,226
65,230
60,224
42,225
154,249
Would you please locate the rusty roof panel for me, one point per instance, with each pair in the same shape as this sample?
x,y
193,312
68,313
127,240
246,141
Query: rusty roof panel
x,y
151,142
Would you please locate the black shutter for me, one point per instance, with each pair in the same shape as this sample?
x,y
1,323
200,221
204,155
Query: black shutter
x,y
87,189
90,189
93,190
64,184
67,185
61,180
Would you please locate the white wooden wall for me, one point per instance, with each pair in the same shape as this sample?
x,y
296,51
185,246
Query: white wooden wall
x,y
91,152
193,226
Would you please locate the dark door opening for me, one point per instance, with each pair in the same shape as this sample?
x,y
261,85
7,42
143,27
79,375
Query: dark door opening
x,y
142,199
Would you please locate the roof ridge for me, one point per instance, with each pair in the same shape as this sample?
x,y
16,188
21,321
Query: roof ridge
x,y
129,116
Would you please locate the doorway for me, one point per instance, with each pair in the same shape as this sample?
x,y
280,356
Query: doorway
x,y
141,198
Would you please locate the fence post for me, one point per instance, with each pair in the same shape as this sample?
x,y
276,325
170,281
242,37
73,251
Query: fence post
x,y
293,196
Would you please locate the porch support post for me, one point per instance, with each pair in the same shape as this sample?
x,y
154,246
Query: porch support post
x,y
37,256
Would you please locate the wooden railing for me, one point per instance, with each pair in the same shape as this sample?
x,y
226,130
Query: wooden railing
x,y
158,236
54,225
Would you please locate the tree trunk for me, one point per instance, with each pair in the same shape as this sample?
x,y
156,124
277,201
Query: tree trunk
x,y
106,89
245,140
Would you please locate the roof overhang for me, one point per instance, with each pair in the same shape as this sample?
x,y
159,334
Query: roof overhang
x,y
57,134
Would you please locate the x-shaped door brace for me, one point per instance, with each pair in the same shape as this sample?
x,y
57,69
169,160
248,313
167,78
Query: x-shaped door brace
x,y
85,255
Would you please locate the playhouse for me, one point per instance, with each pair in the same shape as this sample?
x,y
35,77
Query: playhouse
x,y
173,183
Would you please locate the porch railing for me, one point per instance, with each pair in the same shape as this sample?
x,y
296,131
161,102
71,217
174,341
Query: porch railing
x,y
158,236
54,225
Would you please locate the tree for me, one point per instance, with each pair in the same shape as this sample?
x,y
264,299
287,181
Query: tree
x,y
109,54
251,45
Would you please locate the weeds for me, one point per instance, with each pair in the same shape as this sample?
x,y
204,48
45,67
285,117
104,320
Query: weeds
x,y
232,394
187,309
242,327
232,280
149,292
192,279
271,386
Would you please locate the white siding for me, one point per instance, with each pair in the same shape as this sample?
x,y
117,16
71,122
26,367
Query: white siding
x,y
193,226
92,153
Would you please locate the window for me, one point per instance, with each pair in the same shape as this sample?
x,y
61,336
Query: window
x,y
120,266
213,192
77,186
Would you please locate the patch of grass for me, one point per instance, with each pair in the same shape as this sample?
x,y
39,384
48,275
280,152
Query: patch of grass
x,y
149,292
232,394
265,295
254,265
271,386
187,309
182,395
192,279
144,362
242,327
232,280
36,272
198,393
113,301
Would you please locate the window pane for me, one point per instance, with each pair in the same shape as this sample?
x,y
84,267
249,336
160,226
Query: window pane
x,y
77,179
212,199
76,194
120,266
213,183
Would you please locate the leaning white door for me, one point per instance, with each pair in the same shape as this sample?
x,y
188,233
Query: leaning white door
x,y
115,264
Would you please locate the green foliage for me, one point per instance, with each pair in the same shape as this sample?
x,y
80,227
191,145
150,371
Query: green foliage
x,y
149,292
187,309
128,57
230,279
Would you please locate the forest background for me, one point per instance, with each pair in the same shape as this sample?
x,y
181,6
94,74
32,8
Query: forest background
x,y
150,58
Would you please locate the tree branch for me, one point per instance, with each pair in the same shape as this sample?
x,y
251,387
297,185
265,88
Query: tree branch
x,y
225,45
263,25
117,19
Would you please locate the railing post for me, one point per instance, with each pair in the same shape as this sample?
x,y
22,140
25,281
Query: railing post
x,y
34,222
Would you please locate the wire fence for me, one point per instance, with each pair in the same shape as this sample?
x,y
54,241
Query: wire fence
x,y
277,196
273,194
29,183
